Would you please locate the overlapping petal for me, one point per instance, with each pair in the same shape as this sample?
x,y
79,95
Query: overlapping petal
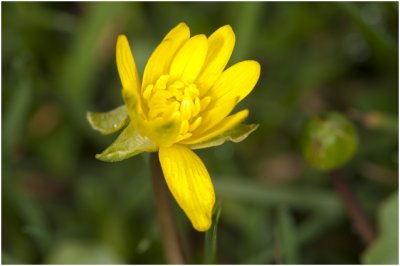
x,y
233,85
189,60
160,61
190,184
226,124
220,47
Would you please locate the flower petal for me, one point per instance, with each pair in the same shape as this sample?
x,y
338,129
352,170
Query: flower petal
x,y
190,184
235,134
189,60
234,84
226,124
220,47
126,65
160,61
109,122
128,144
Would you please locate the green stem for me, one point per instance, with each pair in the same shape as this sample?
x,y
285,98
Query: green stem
x,y
169,233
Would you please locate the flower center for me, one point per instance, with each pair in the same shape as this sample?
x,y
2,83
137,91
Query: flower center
x,y
174,98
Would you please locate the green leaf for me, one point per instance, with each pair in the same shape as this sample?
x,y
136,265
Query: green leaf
x,y
246,191
287,236
329,141
16,114
210,244
128,144
109,122
81,252
384,250
235,134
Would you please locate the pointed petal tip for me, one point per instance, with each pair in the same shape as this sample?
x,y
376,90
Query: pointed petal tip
x,y
121,38
202,221
180,29
182,24
228,28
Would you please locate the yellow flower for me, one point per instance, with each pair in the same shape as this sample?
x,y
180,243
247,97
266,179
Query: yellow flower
x,y
183,103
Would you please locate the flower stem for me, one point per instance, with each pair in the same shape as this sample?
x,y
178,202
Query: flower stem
x,y
353,208
169,233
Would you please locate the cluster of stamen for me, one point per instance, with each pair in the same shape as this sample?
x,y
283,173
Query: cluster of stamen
x,y
174,98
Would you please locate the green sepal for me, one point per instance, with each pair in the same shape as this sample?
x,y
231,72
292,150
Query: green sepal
x,y
128,144
109,122
235,134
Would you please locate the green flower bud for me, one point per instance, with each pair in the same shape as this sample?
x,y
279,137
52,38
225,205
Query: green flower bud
x,y
328,141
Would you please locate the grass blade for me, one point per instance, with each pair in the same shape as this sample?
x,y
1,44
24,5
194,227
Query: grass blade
x,y
287,240
210,244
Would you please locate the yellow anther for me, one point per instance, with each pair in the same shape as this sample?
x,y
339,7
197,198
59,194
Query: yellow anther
x,y
195,124
191,91
173,107
196,106
156,110
175,101
157,99
185,109
176,85
176,115
178,95
182,137
162,81
184,127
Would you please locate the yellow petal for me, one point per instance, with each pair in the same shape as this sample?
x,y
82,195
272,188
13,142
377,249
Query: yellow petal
x,y
226,124
190,184
126,65
236,82
190,59
220,47
215,115
160,61
233,85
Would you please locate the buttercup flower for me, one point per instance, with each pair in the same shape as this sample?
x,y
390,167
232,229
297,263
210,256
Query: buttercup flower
x,y
183,103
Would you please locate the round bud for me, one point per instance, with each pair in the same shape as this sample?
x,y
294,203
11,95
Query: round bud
x,y
328,141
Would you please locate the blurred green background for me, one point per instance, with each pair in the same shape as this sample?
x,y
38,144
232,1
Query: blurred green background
x,y
61,205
